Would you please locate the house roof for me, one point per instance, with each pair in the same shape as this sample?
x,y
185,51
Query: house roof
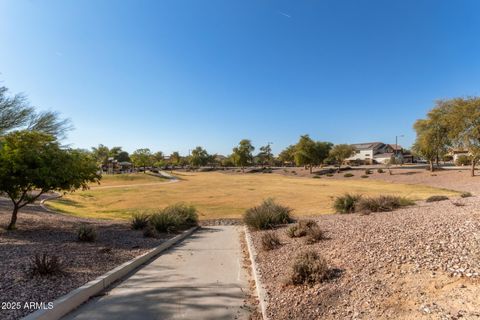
x,y
393,146
367,145
384,155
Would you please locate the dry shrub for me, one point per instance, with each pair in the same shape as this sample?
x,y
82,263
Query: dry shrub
x,y
45,264
314,235
309,268
270,240
86,233
382,204
346,203
267,215
436,198
139,220
466,195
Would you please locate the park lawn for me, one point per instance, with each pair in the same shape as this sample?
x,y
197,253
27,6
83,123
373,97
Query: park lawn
x,y
219,195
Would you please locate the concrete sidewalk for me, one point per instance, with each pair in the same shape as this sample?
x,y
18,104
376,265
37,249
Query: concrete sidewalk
x,y
200,278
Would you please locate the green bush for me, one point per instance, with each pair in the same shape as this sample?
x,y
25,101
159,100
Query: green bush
x,y
463,160
175,218
316,176
380,171
364,176
270,240
436,198
86,233
309,268
267,215
44,265
348,175
368,171
346,203
329,174
466,195
139,220
381,204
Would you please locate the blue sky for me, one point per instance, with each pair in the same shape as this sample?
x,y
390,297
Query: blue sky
x,y
171,75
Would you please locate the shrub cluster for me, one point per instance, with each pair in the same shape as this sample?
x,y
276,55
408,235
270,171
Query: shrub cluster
x,y
139,220
309,268
267,215
381,203
308,228
466,195
346,203
368,171
44,265
86,233
270,240
436,198
348,175
380,170
364,176
350,203
174,218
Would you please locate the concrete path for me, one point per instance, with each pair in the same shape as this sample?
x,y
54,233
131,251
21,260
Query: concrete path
x,y
200,278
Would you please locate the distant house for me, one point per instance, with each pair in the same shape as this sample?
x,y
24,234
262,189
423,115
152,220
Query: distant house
x,y
456,153
375,152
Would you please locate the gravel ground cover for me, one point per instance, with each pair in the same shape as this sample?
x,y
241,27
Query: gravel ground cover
x,y
421,262
39,232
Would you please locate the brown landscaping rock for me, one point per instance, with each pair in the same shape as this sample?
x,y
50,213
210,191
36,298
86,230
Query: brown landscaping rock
x,y
39,232
420,262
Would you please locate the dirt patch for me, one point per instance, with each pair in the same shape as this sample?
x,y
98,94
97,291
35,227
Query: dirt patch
x,y
39,232
420,262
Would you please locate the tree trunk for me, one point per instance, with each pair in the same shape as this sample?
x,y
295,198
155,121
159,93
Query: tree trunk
x,y
473,168
13,220
311,169
431,166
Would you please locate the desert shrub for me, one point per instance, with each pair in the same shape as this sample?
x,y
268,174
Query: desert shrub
x,y
466,195
368,171
86,233
301,229
364,176
270,240
463,160
139,220
380,170
149,231
346,203
314,234
267,215
329,174
436,198
45,264
348,175
381,203
316,176
174,218
308,268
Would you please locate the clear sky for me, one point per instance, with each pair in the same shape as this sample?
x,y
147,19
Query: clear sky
x,y
173,74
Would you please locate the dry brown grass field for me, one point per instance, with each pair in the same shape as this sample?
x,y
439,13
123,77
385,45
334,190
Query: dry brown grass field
x,y
219,195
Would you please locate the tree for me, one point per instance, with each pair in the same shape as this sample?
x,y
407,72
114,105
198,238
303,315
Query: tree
x,y
287,155
199,157
242,154
265,155
142,158
433,133
175,158
464,124
32,163
16,113
123,156
101,154
321,152
158,159
340,152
